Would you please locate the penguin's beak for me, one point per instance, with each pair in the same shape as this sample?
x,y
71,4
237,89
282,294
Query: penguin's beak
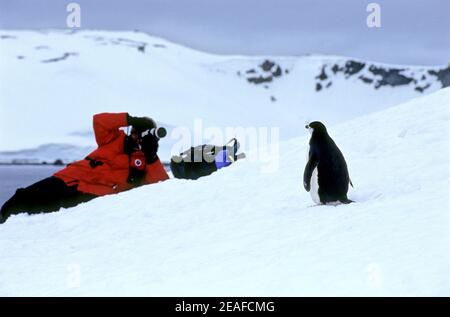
x,y
306,126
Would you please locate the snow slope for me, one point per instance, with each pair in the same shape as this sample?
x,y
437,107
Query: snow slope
x,y
244,231
52,82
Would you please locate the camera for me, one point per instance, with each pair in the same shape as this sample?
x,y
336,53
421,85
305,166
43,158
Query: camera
x,y
159,132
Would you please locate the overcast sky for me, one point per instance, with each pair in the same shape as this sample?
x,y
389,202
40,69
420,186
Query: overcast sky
x,y
412,31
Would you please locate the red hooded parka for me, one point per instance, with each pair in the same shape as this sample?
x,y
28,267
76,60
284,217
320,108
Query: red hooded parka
x,y
110,177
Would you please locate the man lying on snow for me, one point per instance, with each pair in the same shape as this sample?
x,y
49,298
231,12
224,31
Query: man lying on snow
x,y
119,163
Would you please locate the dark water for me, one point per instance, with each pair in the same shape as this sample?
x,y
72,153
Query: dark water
x,y
15,176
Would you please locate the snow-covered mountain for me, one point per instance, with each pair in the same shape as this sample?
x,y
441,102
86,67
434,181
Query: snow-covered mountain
x,y
52,82
243,231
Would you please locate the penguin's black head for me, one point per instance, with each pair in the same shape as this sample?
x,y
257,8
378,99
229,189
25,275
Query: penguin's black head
x,y
316,126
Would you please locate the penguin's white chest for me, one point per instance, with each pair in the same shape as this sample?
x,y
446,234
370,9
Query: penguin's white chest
x,y
314,191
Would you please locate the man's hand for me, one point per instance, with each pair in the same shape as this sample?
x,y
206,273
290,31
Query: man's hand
x,y
141,123
150,148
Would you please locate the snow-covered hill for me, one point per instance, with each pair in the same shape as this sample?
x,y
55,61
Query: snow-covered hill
x,y
244,231
52,82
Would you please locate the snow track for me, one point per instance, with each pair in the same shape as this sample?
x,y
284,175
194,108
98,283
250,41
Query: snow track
x,y
243,232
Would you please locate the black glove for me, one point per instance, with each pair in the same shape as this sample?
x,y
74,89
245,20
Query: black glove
x,y
141,123
150,147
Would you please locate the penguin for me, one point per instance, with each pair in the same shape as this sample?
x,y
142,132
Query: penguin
x,y
326,175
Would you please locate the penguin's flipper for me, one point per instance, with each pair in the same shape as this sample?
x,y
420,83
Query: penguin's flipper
x,y
309,168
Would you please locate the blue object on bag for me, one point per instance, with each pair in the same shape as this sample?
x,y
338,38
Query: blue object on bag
x,y
222,159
